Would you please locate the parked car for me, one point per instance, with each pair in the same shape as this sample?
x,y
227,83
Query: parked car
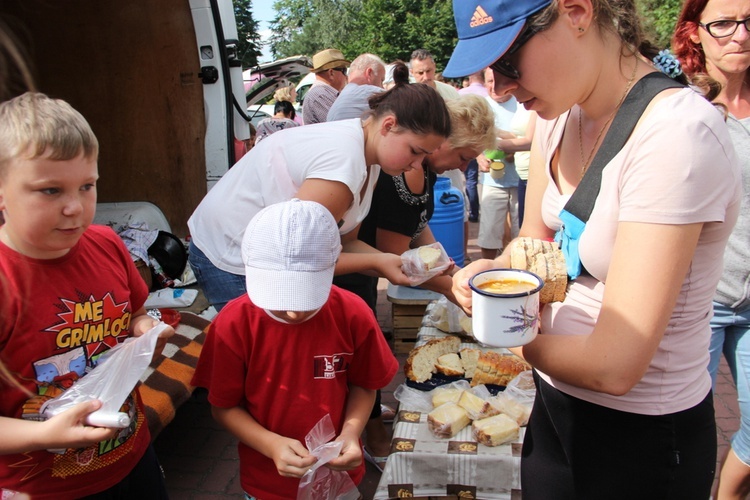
x,y
263,80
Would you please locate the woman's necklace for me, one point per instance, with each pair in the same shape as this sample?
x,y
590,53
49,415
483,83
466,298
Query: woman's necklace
x,y
585,161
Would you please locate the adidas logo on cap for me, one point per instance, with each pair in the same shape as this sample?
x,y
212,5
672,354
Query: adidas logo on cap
x,y
480,17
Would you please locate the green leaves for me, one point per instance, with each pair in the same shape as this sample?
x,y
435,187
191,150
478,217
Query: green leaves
x,y
391,29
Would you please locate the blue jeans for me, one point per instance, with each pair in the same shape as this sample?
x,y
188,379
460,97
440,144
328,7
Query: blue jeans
x,y
729,335
521,200
472,177
219,286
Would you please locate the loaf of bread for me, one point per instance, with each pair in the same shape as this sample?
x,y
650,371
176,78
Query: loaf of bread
x,y
475,406
447,420
496,430
429,256
420,365
441,395
509,406
469,358
450,364
497,369
544,259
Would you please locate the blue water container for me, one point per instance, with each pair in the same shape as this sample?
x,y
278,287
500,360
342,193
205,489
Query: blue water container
x,y
447,222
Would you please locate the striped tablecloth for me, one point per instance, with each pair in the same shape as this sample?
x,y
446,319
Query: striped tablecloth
x,y
422,465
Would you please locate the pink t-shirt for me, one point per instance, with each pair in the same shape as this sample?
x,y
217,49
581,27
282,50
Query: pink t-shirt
x,y
678,167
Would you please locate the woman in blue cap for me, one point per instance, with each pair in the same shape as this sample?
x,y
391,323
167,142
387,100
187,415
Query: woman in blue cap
x,y
624,406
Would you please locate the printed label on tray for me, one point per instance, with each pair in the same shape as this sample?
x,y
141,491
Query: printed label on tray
x,y
409,416
462,447
461,490
402,445
400,490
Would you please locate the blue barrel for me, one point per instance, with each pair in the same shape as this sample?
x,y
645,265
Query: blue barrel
x,y
447,222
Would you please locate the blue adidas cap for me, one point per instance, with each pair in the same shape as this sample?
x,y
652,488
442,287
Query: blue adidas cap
x,y
486,28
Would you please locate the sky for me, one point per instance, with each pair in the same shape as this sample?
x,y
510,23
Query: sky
x,y
264,13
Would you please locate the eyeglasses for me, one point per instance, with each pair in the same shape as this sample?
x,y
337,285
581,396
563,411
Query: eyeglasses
x,y
503,65
343,70
725,27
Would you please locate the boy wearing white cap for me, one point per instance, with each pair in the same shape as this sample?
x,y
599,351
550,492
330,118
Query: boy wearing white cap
x,y
292,350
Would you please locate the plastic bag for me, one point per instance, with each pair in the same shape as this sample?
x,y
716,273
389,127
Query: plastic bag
x,y
522,388
417,270
448,317
111,381
322,483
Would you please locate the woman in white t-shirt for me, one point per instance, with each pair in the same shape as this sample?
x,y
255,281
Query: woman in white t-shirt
x,y
333,163
624,406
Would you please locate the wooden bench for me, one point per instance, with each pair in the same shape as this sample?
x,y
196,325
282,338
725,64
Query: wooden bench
x,y
407,310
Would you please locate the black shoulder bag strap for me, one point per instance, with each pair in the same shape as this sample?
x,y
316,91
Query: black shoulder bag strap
x,y
581,203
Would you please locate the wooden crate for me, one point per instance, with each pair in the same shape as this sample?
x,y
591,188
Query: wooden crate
x,y
407,319
407,310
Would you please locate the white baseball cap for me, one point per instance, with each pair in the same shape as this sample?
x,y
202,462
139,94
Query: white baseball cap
x,y
290,250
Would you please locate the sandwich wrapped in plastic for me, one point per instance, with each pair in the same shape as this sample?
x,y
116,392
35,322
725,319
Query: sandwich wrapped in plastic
x,y
448,317
447,420
322,483
111,381
421,264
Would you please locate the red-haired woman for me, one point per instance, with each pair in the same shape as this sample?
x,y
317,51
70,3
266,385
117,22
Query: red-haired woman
x,y
712,38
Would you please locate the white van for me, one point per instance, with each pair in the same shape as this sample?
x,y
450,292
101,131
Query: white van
x,y
161,87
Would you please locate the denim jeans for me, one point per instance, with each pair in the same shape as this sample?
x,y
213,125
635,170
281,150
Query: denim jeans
x,y
472,177
521,200
219,286
729,335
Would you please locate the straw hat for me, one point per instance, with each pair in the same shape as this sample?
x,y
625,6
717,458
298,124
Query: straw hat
x,y
327,59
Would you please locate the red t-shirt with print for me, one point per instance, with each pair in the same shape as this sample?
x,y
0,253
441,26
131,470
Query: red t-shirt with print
x,y
58,317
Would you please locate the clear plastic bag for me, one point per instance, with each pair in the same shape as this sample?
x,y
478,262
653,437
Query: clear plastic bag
x,y
322,483
517,399
448,317
418,271
522,388
111,381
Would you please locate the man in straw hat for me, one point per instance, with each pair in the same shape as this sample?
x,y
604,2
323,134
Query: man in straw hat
x,y
329,66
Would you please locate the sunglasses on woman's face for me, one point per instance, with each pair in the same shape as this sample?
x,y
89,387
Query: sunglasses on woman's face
x,y
503,65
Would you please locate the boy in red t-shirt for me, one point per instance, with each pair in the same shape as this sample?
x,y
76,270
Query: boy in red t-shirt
x,y
292,350
70,292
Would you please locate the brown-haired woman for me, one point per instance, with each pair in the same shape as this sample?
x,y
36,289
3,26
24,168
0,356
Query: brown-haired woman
x,y
333,163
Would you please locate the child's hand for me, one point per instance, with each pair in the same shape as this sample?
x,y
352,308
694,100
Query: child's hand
x,y
142,323
350,456
69,429
291,457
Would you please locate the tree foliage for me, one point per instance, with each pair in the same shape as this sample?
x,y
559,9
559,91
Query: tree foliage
x,y
304,27
659,18
392,29
248,44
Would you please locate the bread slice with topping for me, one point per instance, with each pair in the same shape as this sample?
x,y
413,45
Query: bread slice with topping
x,y
450,364
420,365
